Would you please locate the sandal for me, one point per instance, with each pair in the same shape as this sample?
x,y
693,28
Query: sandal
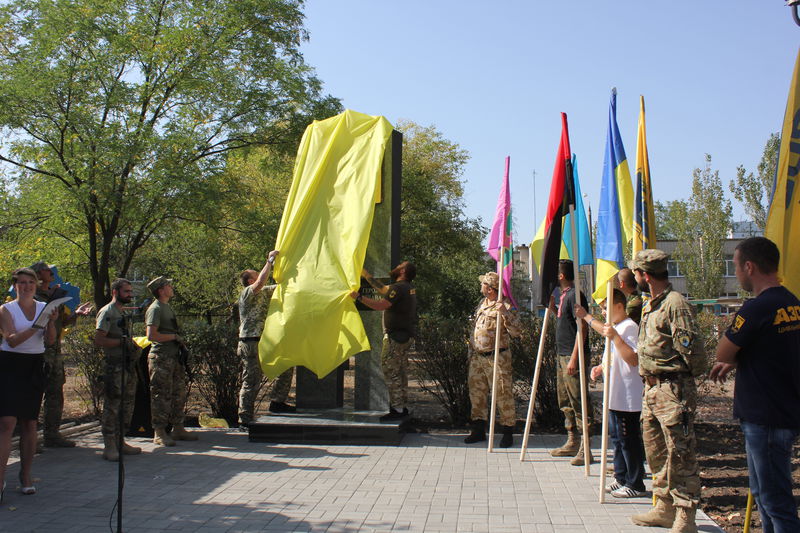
x,y
25,490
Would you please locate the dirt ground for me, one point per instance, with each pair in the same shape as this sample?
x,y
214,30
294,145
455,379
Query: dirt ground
x,y
720,443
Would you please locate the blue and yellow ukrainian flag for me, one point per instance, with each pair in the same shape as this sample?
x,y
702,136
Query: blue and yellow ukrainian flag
x,y
615,216
783,219
644,219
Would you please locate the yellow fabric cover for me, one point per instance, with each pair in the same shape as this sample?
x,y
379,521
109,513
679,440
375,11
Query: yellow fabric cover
x,y
312,320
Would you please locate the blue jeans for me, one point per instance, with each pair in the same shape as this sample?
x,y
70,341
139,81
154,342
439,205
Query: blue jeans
x,y
626,437
769,460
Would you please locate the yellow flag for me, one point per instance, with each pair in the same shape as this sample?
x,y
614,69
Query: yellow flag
x,y
644,220
312,320
783,219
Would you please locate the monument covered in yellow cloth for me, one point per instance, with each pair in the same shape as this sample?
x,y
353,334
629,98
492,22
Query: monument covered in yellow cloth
x,y
323,237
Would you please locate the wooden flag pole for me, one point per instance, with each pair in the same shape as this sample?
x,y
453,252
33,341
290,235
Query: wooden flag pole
x,y
496,354
534,384
587,453
607,375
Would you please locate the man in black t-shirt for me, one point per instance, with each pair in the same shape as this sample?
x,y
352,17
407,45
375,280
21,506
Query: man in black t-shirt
x,y
399,306
568,383
763,344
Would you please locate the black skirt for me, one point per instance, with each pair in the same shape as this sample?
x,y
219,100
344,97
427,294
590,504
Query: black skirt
x,y
21,384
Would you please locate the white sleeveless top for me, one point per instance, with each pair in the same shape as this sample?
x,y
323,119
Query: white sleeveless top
x,y
35,344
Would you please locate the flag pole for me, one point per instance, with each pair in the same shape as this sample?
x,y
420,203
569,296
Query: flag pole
x,y
535,384
607,362
499,321
579,339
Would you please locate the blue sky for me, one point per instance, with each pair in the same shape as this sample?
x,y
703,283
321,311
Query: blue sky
x,y
494,76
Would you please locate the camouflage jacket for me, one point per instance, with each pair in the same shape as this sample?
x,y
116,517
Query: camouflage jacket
x,y
669,338
486,327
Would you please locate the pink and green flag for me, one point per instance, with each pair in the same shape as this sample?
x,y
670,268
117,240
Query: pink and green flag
x,y
501,246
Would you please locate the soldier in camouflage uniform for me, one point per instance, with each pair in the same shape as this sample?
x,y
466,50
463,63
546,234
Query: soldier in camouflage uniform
x,y
628,285
54,359
670,352
399,306
167,372
110,335
481,362
253,306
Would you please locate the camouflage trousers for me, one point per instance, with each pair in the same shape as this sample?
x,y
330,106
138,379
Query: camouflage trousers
x,y
568,389
53,390
167,389
394,365
668,412
480,383
113,395
251,381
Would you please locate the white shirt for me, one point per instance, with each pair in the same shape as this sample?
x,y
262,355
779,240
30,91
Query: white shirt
x,y
626,383
35,343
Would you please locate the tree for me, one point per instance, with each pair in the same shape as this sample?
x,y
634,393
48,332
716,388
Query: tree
x,y
754,191
119,115
669,216
701,225
444,244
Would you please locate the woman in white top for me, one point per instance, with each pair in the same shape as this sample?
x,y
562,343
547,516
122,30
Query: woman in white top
x,y
625,397
22,374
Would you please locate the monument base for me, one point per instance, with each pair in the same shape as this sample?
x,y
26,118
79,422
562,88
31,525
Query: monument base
x,y
327,426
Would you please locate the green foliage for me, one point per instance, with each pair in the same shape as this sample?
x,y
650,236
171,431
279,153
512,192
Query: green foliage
x,y
119,117
78,345
444,244
441,364
754,191
700,225
215,366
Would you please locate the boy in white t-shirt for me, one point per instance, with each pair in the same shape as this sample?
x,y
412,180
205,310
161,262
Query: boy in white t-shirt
x,y
625,398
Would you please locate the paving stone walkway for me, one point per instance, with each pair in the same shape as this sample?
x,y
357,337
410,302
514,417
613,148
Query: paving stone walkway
x,y
224,483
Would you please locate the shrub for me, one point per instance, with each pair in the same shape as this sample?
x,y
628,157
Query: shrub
x,y
441,364
215,367
90,361
524,351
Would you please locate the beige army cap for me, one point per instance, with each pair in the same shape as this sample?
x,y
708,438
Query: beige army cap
x,y
157,283
491,279
652,261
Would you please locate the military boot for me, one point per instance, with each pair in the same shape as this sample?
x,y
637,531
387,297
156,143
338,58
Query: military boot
x,y
180,433
478,432
662,515
508,437
162,438
579,459
127,449
57,440
570,447
110,452
684,520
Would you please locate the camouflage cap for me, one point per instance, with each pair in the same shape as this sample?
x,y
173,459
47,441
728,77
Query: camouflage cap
x,y
38,266
491,279
157,283
652,261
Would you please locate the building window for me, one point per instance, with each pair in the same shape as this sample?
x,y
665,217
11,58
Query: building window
x,y
730,268
674,269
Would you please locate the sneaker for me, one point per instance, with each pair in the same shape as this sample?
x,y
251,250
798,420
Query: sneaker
x,y
281,407
627,492
394,415
614,486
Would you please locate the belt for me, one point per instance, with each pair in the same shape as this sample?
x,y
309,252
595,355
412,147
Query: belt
x,y
249,339
664,378
489,354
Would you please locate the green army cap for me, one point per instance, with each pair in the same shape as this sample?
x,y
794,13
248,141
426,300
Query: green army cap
x,y
652,261
157,283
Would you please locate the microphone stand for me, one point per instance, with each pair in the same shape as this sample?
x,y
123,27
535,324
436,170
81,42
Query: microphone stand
x,y
126,327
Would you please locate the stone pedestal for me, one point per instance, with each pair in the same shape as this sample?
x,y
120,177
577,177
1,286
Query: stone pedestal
x,y
314,393
370,388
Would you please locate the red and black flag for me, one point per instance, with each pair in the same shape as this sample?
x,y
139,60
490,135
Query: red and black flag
x,y
562,196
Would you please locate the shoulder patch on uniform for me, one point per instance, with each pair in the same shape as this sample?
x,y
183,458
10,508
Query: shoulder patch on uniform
x,y
392,293
684,340
412,291
738,322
